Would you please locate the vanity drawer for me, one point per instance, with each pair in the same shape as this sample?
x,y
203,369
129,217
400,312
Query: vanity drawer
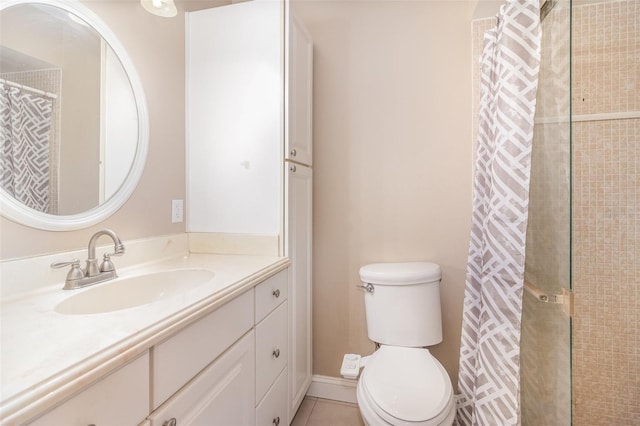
x,y
185,354
272,410
271,349
121,398
270,293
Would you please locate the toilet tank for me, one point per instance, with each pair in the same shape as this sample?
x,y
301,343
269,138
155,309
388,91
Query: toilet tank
x,y
404,307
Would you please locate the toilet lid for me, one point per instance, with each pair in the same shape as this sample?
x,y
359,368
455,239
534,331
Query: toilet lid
x,y
406,273
407,383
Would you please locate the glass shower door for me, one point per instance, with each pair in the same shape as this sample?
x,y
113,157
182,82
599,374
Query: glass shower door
x,y
546,322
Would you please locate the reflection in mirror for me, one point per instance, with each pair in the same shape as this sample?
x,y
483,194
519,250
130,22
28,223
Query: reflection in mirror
x,y
72,121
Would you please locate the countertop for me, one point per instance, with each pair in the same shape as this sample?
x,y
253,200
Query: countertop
x,y
47,356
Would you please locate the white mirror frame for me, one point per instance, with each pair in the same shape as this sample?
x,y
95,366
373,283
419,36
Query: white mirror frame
x,y
19,213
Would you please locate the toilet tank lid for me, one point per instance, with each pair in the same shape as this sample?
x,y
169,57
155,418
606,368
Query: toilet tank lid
x,y
406,273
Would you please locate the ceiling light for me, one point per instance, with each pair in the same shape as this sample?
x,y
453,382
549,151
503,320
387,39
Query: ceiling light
x,y
164,8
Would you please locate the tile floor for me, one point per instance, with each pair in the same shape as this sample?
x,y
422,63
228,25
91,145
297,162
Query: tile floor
x,y
325,412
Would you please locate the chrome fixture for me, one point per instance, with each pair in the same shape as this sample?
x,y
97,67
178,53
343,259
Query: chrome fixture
x,y
368,287
565,298
92,274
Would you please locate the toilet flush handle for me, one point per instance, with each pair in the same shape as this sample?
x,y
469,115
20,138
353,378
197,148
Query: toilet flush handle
x,y
367,286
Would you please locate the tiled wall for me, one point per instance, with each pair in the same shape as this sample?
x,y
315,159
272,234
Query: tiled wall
x,y
606,214
606,219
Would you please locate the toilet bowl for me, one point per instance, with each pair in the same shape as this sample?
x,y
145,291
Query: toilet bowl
x,y
402,383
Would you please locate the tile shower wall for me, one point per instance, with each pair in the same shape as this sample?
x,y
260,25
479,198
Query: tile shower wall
x,y
606,213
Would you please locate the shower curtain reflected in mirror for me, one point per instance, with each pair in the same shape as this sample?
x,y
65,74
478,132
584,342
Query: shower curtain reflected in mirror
x,y
25,128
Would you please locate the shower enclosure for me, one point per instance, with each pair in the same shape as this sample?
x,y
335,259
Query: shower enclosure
x,y
581,306
545,369
579,362
545,352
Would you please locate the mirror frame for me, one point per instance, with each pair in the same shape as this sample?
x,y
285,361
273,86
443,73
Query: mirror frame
x,y
19,213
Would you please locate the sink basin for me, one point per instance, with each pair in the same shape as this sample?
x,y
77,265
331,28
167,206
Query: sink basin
x,y
129,292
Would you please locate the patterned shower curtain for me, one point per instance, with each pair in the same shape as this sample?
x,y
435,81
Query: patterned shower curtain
x,y
25,127
489,381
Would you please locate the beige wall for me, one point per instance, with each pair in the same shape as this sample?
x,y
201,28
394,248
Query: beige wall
x,y
156,47
392,157
392,154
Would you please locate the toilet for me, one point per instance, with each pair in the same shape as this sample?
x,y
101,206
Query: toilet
x,y
402,383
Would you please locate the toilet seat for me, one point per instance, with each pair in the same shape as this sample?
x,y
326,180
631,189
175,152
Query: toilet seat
x,y
405,386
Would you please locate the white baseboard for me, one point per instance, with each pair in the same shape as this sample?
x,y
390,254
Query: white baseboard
x,y
334,388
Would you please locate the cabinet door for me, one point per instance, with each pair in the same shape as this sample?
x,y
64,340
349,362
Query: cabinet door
x,y
300,94
183,355
298,248
223,394
121,398
235,106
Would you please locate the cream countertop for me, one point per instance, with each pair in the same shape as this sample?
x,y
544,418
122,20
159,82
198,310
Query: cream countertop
x,y
46,356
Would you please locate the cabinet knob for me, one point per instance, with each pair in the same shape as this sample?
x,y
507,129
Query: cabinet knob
x,y
171,422
293,152
276,353
276,293
292,168
276,421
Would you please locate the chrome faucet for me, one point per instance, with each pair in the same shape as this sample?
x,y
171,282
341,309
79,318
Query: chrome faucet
x,y
92,274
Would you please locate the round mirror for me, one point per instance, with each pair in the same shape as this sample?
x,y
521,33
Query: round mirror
x,y
73,119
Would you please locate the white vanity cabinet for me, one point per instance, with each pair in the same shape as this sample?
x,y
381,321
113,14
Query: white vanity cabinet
x,y
272,351
244,136
120,398
223,369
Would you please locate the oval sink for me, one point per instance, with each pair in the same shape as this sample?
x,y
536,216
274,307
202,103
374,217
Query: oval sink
x,y
129,292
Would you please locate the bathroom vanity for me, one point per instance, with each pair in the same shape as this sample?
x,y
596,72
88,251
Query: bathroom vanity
x,y
215,351
213,323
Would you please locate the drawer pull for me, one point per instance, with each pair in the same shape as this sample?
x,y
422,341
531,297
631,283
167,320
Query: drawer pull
x,y
276,421
276,293
171,422
293,152
276,353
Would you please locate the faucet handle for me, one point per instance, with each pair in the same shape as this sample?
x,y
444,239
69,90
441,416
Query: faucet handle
x,y
75,273
72,263
107,265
